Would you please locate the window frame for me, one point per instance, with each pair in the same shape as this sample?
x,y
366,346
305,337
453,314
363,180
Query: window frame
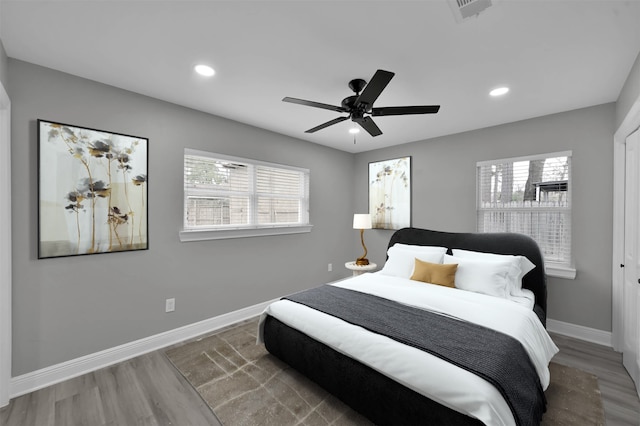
x,y
554,269
253,228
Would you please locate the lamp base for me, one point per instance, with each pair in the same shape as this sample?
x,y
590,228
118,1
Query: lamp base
x,y
362,261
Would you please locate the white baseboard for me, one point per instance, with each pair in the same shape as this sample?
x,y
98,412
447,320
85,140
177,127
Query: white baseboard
x,y
48,376
580,332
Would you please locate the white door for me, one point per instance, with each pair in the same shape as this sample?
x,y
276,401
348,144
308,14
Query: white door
x,y
631,290
5,246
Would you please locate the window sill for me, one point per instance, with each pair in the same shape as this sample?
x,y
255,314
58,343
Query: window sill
x,y
222,234
558,271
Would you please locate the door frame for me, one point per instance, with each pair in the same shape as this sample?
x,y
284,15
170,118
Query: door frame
x,y
5,246
630,124
631,352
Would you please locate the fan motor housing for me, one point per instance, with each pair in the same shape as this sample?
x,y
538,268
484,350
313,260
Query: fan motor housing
x,y
349,102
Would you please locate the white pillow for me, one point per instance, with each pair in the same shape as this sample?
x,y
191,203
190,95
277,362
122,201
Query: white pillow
x,y
519,268
480,276
423,249
402,260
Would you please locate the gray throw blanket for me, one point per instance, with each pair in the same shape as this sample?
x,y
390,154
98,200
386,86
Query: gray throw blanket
x,y
499,359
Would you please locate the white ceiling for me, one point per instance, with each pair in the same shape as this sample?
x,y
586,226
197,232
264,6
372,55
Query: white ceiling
x,y
554,55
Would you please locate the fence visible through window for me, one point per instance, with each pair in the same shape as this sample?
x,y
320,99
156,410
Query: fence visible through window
x,y
226,192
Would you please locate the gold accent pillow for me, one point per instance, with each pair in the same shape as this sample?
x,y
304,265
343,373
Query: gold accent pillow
x,y
435,273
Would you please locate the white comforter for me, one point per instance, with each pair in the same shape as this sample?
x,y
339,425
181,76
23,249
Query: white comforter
x,y
428,375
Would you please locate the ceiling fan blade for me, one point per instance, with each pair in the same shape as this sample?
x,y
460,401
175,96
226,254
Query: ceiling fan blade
x,y
314,104
372,90
369,125
327,124
404,110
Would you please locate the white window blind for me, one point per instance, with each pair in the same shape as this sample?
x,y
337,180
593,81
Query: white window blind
x,y
529,195
279,192
223,193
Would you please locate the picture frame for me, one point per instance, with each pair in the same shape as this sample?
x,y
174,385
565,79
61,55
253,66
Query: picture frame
x,y
92,191
390,193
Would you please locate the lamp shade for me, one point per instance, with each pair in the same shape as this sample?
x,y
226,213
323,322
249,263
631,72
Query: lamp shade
x,y
361,221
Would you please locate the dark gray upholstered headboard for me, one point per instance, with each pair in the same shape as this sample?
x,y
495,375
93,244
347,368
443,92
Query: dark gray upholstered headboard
x,y
500,243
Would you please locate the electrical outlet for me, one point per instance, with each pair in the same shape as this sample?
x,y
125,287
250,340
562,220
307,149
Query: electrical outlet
x,y
170,305
330,267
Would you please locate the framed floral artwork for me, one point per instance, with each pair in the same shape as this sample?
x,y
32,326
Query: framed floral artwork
x,y
92,191
390,193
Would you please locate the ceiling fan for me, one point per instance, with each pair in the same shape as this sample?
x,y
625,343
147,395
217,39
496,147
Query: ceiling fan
x,y
360,106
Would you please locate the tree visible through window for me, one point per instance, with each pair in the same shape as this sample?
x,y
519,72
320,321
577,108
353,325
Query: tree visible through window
x,y
529,195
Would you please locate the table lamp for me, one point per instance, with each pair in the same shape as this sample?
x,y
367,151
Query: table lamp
x,y
362,222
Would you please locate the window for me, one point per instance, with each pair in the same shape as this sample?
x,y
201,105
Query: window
x,y
530,195
228,197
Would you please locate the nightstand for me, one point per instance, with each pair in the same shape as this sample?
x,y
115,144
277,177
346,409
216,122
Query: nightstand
x,y
360,269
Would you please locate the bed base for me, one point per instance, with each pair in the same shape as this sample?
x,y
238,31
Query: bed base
x,y
374,395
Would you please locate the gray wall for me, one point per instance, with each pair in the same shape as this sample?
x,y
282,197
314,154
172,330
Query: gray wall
x,y
629,94
444,194
3,57
68,307
3,65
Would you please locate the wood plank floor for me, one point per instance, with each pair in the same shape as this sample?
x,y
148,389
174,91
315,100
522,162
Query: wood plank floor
x,y
619,397
148,390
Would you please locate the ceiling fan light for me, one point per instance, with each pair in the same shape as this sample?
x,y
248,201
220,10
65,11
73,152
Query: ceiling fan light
x,y
354,130
499,91
204,70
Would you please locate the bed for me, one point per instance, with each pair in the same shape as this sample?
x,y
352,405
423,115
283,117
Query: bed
x,y
393,381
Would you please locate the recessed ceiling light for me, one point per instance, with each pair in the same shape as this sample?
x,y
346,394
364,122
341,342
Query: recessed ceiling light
x,y
204,70
499,91
354,130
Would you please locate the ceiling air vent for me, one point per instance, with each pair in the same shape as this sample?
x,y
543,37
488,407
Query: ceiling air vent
x,y
465,9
